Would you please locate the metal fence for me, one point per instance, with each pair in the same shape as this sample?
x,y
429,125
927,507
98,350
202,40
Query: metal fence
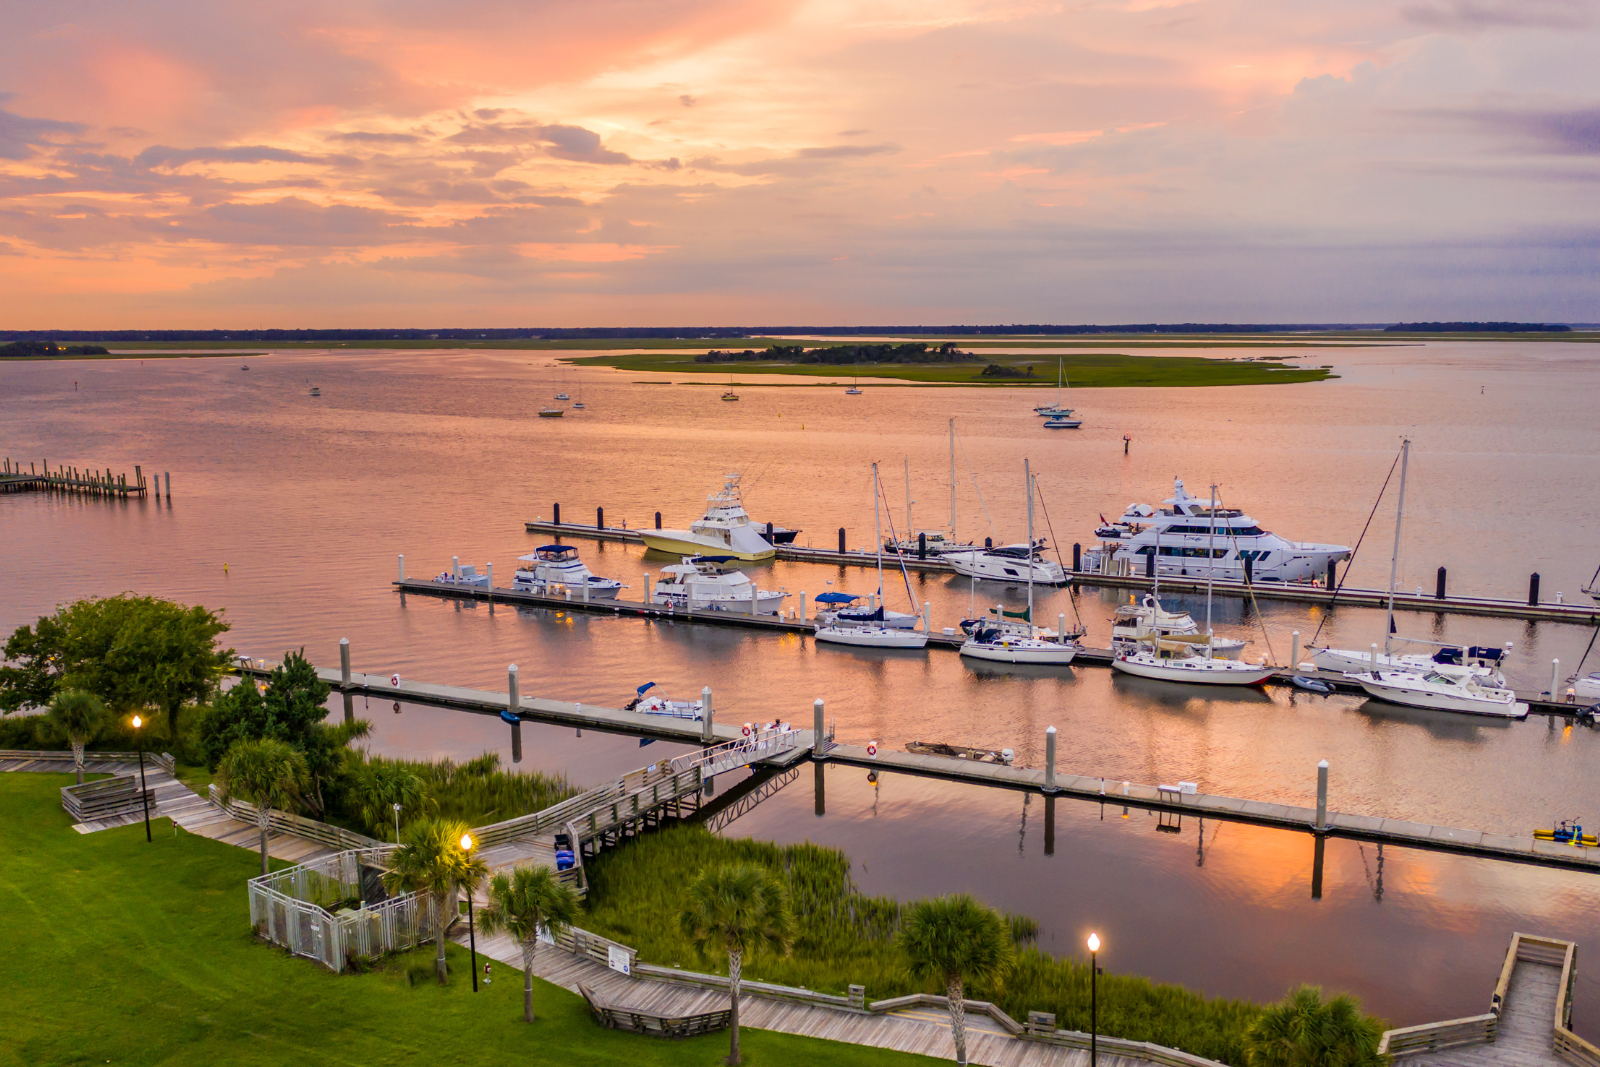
x,y
319,910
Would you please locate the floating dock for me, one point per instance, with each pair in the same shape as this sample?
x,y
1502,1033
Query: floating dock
x,y
1538,611
1088,657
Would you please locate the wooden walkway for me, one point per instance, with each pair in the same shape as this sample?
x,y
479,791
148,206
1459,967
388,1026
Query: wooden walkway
x,y
922,1030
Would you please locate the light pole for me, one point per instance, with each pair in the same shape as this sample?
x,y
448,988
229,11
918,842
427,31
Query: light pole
x,y
143,794
397,824
1094,1003
472,934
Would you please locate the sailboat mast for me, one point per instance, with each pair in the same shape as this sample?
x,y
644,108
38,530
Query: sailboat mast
x,y
1027,476
952,479
1394,559
877,532
910,529
1210,564
1059,364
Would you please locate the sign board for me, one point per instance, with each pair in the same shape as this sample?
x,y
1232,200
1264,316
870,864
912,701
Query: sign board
x,y
617,959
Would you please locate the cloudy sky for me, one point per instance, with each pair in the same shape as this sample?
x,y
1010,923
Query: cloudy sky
x,y
628,162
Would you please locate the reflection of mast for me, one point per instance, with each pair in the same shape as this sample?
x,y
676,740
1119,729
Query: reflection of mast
x,y
1022,832
1200,846
1377,889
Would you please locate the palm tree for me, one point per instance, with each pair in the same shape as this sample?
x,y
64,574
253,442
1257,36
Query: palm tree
x,y
958,940
430,860
267,773
520,904
379,785
81,716
1302,1030
737,908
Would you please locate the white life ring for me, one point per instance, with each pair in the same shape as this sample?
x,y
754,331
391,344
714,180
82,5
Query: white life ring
x,y
747,729
394,679
872,749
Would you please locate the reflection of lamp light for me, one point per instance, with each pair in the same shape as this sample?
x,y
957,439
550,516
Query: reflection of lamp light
x,y
1094,1000
144,794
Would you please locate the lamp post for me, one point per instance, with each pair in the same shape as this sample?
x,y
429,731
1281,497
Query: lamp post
x,y
472,934
1094,1002
144,795
397,824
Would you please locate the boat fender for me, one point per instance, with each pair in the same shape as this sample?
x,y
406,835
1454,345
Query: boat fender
x,y
394,679
872,749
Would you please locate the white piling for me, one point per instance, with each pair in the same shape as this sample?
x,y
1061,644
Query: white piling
x,y
1322,795
455,566
344,661
754,590
1374,658
817,749
1050,759
586,590
489,568
706,733
1555,677
402,567
802,605
649,593
1294,656
513,697
1061,628
927,616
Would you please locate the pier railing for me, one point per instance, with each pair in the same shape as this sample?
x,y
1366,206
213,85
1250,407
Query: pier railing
x,y
284,822
163,760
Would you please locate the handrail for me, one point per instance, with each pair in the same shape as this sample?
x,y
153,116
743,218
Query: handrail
x,y
163,760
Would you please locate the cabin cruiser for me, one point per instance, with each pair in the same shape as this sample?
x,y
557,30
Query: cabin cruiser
x,y
725,530
937,541
1174,660
558,565
1198,544
1148,620
1483,663
1587,688
1008,563
463,574
1444,688
712,582
658,703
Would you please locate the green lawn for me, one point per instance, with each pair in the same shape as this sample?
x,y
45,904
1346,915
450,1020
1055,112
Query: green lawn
x,y
122,952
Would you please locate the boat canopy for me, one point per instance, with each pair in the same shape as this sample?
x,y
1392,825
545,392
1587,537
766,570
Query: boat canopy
x,y
836,598
645,686
712,559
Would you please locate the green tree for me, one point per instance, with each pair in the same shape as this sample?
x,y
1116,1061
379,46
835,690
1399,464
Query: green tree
x,y
81,716
520,904
740,909
130,651
1303,1030
376,786
957,940
268,773
430,860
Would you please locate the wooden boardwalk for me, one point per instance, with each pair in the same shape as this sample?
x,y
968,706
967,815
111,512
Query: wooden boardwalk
x,y
922,1030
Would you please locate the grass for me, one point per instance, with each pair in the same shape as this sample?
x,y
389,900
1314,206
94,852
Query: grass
x,y
1083,369
131,953
847,937
477,792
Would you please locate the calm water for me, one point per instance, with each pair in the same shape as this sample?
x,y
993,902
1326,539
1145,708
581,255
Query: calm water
x,y
433,454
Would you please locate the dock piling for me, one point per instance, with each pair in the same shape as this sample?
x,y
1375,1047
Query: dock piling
x,y
1374,659
658,520
513,697
1322,796
841,540
489,570
819,749
1050,759
1333,575
922,546
344,661
599,518
1533,589
1077,557
556,518
1061,628
455,566
402,567
1294,650
927,616
802,605
1438,587
1150,565
1555,678
169,484
706,722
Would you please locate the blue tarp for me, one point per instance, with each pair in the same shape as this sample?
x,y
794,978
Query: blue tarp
x,y
558,548
643,687
836,598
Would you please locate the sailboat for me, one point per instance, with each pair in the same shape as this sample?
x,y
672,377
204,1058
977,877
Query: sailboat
x,y
936,542
1058,417
1480,662
875,635
1175,660
577,404
1593,588
855,388
730,394
1006,642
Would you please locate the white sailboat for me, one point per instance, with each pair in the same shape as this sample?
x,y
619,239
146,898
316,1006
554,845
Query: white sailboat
x,y
936,542
1055,410
1003,642
874,634
1179,660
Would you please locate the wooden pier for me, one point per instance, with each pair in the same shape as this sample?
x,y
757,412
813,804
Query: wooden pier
x,y
13,479
1583,614
1088,657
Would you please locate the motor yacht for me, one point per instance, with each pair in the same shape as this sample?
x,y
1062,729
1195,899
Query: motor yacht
x,y
724,530
553,566
1183,661
1444,688
1135,622
658,703
1483,663
463,574
703,583
1008,563
1195,542
1587,689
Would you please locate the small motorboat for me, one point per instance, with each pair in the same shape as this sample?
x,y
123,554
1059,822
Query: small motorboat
x,y
1062,422
1567,832
465,574
563,396
1587,688
658,703
315,391
510,716
245,367
871,637
1002,756
730,395
552,413
1311,685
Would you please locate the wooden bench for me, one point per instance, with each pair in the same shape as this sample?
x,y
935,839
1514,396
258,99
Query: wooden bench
x,y
643,1022
105,799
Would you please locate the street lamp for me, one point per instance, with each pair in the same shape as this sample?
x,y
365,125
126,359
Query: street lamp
x,y
144,795
397,824
472,934
1094,1003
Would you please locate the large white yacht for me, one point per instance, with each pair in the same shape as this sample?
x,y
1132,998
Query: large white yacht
x,y
1007,563
1195,543
711,583
552,566
725,530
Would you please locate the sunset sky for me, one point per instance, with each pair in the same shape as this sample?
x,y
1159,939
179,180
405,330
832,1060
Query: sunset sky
x,y
631,162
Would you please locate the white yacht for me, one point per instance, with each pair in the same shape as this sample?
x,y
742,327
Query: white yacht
x,y
1055,412
1586,689
552,566
463,574
1182,661
1196,543
938,541
703,583
844,610
871,636
1008,563
1445,688
1483,663
725,530
1146,621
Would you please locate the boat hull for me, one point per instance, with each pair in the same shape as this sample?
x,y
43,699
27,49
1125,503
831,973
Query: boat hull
x,y
767,602
688,543
1001,569
1392,689
1208,672
1024,650
871,637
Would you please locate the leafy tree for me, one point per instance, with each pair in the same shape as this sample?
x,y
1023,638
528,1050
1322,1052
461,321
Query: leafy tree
x,y
268,773
377,786
430,860
737,908
1303,1030
130,651
957,940
520,904
81,716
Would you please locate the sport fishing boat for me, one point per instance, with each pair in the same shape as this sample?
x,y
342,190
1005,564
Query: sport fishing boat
x,y
875,628
703,583
658,703
546,568
724,530
1199,543
1062,422
1008,563
1445,688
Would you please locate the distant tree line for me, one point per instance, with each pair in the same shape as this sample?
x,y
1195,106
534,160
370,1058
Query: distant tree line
x,y
37,349
1477,327
846,355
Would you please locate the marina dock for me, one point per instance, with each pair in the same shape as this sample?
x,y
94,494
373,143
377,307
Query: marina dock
x,y
13,479
1533,608
1089,657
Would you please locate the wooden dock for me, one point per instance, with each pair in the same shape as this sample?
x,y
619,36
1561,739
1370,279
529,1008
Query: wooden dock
x,y
13,479
1582,614
1088,657
1528,1024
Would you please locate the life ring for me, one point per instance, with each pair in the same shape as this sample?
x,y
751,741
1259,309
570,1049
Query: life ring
x,y
747,729
394,679
872,749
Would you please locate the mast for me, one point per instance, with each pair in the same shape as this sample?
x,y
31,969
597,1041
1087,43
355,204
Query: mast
x,y
1211,564
1027,476
910,529
877,533
1059,363
952,480
1394,560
